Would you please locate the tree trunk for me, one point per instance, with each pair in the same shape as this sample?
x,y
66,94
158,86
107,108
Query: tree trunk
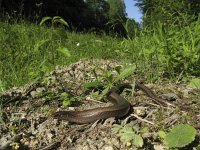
x,y
0,5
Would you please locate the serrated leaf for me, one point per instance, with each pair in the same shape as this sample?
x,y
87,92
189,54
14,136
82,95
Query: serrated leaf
x,y
125,73
161,134
127,128
180,136
115,128
195,83
94,84
127,136
126,133
138,140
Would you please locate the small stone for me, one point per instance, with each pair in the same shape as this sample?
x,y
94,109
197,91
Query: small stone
x,y
40,89
140,111
159,147
83,148
33,94
50,136
88,98
33,143
115,142
101,144
169,96
108,147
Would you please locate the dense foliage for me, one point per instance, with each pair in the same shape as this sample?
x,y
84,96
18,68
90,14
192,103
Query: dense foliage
x,y
169,12
92,15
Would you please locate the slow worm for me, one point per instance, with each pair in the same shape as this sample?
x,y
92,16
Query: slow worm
x,y
119,108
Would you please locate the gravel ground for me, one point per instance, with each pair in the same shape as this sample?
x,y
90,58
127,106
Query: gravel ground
x,y
26,122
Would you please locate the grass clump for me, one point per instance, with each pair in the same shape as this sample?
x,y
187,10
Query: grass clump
x,y
24,54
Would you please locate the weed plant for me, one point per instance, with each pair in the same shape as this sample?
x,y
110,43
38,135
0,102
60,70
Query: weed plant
x,y
28,51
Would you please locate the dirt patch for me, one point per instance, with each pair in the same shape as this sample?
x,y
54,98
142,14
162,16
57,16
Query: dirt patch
x,y
26,121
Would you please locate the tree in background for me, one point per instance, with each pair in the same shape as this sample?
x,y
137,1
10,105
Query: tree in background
x,y
194,7
168,12
107,15
117,9
117,16
0,5
97,15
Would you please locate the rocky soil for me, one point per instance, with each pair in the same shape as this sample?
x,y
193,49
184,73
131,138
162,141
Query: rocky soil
x,y
26,114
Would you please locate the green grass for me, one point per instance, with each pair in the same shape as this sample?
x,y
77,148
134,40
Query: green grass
x,y
28,51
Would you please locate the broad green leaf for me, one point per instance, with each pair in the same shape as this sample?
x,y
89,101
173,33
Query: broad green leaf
x,y
127,136
127,128
180,136
64,51
66,102
94,84
125,73
126,133
161,134
115,128
195,83
138,140
44,19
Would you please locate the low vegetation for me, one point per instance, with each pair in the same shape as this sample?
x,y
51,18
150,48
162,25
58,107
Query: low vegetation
x,y
30,51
